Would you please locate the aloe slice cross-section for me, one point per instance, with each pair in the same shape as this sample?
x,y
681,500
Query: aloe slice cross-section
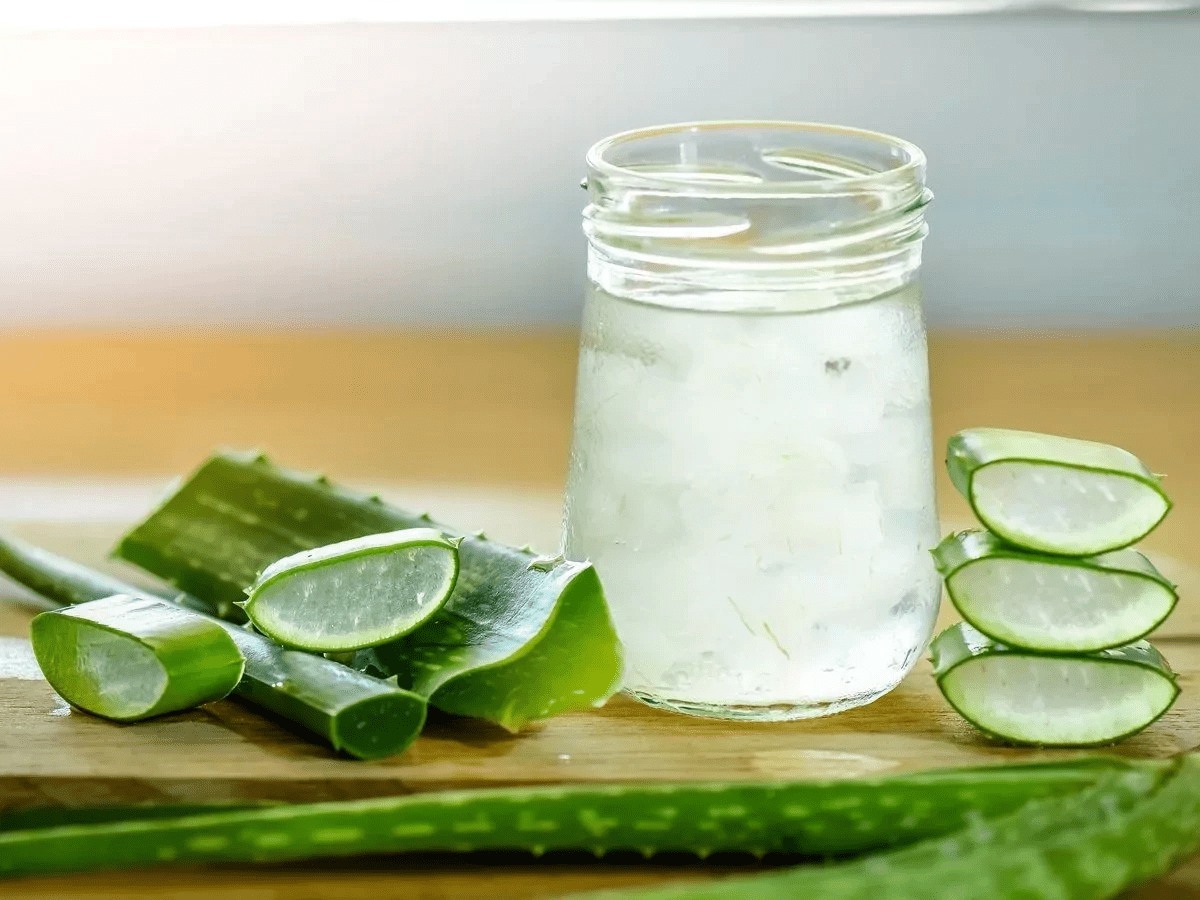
x,y
352,712
355,593
1054,603
1055,494
521,637
130,658
1051,699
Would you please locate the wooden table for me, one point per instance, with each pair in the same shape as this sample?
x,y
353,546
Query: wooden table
x,y
480,424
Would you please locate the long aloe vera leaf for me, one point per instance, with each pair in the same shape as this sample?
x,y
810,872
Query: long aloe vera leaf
x,y
522,637
814,818
1052,699
130,658
1127,828
352,712
356,593
1058,604
1055,494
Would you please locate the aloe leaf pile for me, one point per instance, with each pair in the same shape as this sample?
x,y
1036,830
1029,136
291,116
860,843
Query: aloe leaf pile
x,y
1055,602
469,625
520,638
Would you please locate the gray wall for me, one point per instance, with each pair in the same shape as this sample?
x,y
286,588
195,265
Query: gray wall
x,y
428,172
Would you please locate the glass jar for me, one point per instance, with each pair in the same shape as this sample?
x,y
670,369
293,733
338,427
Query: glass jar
x,y
752,465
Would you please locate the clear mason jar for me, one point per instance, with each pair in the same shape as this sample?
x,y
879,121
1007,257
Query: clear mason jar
x,y
752,465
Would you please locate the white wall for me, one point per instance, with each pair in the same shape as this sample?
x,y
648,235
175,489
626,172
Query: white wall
x,y
429,172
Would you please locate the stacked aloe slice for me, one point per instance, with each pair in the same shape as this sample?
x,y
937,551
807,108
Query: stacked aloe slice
x,y
1056,601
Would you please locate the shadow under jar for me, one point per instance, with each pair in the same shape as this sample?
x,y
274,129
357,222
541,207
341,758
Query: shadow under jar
x,y
752,465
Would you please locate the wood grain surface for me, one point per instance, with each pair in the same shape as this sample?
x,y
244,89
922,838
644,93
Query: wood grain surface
x,y
484,420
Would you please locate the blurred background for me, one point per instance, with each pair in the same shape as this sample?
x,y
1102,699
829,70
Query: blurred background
x,y
418,171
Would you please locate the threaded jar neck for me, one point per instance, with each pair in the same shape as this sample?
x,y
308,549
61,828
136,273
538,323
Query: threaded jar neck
x,y
683,214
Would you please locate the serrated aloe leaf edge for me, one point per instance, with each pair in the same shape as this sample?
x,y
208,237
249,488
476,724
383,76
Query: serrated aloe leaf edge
x,y
494,651
821,819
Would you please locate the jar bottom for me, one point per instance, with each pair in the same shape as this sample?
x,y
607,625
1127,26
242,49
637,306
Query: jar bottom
x,y
744,712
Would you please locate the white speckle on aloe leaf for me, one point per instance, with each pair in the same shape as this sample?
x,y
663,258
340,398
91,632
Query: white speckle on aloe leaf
x,y
596,824
722,812
167,853
478,826
337,835
795,812
651,825
208,842
272,839
527,821
413,829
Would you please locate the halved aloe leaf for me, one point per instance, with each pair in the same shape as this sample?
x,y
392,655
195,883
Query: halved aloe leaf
x,y
1053,603
355,713
129,658
522,637
1047,699
1055,494
355,593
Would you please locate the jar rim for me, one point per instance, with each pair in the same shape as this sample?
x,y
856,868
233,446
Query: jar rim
x,y
909,158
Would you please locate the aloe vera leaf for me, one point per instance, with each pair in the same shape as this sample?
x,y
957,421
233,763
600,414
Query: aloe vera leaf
x,y
1036,601
1050,699
817,818
1127,828
521,637
352,712
131,658
355,593
1055,494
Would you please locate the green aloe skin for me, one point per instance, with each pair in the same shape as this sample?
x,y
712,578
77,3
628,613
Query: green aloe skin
x,y
359,715
1089,698
1128,827
131,658
521,637
822,819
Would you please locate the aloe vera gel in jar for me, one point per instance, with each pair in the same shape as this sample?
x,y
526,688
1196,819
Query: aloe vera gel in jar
x,y
752,464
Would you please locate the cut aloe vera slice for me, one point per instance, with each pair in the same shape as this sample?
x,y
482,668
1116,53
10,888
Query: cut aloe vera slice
x,y
355,593
1051,700
354,713
130,658
1053,603
1055,494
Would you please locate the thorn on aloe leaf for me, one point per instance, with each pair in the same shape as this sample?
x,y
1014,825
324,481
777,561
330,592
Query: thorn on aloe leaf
x,y
375,498
323,479
526,548
479,535
544,563
394,681
425,517
261,459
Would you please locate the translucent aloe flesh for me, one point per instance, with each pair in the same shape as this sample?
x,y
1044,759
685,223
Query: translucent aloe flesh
x,y
1050,699
352,712
1127,828
521,637
1054,603
130,658
1055,494
813,818
355,593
